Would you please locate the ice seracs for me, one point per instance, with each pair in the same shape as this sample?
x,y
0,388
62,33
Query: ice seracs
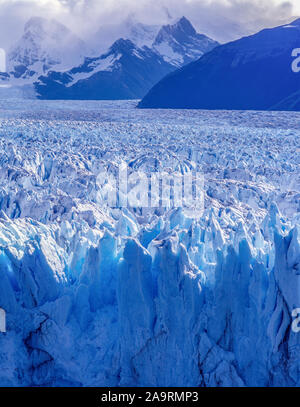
x,y
108,296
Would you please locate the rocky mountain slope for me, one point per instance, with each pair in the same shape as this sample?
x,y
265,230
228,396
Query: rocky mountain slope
x,y
130,67
253,73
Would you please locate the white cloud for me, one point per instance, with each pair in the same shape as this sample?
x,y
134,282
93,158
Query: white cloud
x,y
222,19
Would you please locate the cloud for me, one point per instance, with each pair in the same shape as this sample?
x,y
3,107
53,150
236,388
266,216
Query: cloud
x,y
223,20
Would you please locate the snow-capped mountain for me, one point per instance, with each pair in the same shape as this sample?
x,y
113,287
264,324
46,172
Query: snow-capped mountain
x,y
180,44
253,73
131,66
44,45
142,34
124,72
54,62
130,29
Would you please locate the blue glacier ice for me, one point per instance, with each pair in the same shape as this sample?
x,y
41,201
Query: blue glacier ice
x,y
101,296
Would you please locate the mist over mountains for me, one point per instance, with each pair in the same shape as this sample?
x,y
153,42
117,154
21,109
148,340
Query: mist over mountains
x,y
59,65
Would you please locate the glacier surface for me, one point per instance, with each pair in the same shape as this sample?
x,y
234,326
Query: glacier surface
x,y
101,296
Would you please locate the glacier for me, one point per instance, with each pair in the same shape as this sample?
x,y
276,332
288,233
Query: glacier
x,y
101,296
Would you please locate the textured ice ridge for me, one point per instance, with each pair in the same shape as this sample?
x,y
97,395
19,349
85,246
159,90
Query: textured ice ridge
x,y
99,296
176,303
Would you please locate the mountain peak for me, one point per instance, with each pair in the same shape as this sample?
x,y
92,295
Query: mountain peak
x,y
185,25
181,27
142,34
44,44
245,63
34,21
183,20
122,44
179,43
38,25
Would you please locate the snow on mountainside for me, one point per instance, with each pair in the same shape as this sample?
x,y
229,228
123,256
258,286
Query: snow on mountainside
x,y
44,45
48,54
131,66
57,64
180,44
142,34
97,295
252,73
130,29
124,72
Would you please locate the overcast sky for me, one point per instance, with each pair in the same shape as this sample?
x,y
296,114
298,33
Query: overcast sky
x,y
223,20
